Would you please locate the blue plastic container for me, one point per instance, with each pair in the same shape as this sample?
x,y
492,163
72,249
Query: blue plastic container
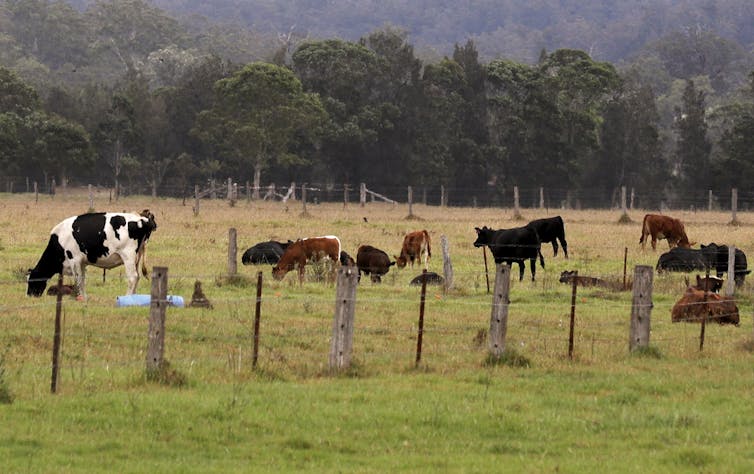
x,y
145,300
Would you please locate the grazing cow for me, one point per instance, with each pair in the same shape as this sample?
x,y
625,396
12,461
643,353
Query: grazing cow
x,y
432,279
664,227
104,240
416,246
267,253
512,245
304,250
696,305
551,229
373,262
708,257
346,260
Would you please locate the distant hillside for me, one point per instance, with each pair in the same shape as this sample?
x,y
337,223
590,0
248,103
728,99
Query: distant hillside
x,y
609,30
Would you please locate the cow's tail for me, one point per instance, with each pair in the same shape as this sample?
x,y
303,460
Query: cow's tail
x,y
429,244
644,229
541,258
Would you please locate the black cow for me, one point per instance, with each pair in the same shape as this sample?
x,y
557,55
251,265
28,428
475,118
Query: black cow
x,y
512,245
264,253
551,229
373,262
708,257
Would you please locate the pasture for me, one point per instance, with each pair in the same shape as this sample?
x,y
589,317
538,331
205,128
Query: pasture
x,y
674,408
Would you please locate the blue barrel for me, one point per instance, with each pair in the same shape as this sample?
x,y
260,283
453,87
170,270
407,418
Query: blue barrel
x,y
145,300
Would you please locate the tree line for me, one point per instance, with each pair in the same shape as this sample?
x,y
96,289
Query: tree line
x,y
335,111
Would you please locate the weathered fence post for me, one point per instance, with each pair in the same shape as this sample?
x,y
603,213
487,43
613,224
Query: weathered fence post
x,y
232,252
447,266
304,212
410,202
420,333
516,207
641,307
442,196
625,268
709,200
257,316
248,192
734,205
730,285
36,192
631,204
157,306
342,329
196,200
499,316
345,195
91,199
363,194
572,326
541,197
623,206
56,337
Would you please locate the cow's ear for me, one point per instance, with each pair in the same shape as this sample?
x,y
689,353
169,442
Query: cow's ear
x,y
477,229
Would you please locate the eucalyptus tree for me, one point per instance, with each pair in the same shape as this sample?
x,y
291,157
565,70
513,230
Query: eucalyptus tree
x,y
261,112
692,154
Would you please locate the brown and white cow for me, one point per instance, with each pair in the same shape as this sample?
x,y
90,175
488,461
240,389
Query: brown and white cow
x,y
302,251
696,305
416,246
661,227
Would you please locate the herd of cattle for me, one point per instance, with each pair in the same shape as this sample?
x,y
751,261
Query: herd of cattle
x,y
107,240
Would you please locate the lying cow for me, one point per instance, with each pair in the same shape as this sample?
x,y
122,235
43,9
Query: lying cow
x,y
416,246
660,227
268,253
512,245
696,305
373,262
708,257
305,250
551,229
105,240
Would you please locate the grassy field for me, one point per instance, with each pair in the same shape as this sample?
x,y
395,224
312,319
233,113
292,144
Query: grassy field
x,y
672,409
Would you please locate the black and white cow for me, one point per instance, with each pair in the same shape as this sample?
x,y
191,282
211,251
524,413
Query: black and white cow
x,y
512,245
264,253
104,240
551,229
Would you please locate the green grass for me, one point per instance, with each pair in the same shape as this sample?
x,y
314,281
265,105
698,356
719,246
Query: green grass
x,y
668,408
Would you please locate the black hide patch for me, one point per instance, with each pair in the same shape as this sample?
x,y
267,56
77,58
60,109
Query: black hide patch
x,y
117,222
49,264
69,254
140,233
89,233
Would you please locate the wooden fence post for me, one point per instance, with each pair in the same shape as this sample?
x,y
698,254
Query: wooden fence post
x,y
363,194
623,206
572,326
641,307
257,316
516,207
342,329
410,202
232,251
709,200
196,200
499,316
541,197
304,213
420,333
442,196
56,337
345,195
734,205
36,192
447,266
91,199
730,285
157,306
631,203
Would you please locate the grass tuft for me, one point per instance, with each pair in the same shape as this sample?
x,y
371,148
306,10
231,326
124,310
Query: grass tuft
x,y
237,281
509,357
648,352
166,375
6,396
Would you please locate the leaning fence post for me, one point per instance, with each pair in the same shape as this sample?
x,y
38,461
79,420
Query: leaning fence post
x,y
342,329
499,316
641,307
257,316
447,266
232,251
157,306
56,338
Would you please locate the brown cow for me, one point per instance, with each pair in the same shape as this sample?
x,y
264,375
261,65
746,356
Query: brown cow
x,y
664,227
304,250
696,305
416,246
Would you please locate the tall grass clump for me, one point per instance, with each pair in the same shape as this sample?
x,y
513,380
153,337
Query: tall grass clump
x,y
647,352
6,397
510,357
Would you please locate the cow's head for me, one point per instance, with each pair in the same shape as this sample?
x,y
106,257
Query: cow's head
x,y
483,236
567,276
400,261
36,283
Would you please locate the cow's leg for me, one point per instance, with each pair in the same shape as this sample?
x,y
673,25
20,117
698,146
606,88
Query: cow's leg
x,y
533,263
521,268
77,270
555,247
565,246
132,273
654,242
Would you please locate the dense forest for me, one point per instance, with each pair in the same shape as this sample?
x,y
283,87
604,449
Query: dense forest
x,y
578,97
